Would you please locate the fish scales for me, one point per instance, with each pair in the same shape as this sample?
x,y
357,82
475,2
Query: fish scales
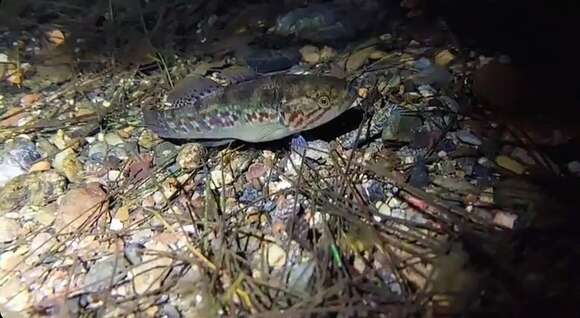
x,y
262,109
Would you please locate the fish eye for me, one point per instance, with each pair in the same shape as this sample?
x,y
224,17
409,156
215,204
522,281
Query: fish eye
x,y
323,101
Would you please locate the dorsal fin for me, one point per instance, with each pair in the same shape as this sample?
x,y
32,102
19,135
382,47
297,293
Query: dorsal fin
x,y
191,90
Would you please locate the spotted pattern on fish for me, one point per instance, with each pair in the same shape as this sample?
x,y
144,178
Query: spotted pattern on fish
x,y
261,109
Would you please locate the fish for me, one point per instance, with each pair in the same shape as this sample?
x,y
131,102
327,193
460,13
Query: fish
x,y
251,109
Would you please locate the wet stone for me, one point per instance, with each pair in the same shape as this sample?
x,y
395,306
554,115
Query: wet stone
x,y
104,272
373,190
468,137
318,150
249,195
34,189
420,175
164,152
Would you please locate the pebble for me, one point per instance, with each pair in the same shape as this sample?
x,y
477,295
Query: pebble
x,y
43,165
191,157
9,169
276,255
149,274
574,167
256,170
14,296
444,57
66,162
420,175
104,272
318,150
433,75
34,189
97,151
310,54
148,139
60,139
41,243
113,139
401,128
220,178
373,190
80,205
249,195
29,99
10,261
8,230
426,90
523,156
327,53
357,59
164,151
468,137
505,219
510,164
299,276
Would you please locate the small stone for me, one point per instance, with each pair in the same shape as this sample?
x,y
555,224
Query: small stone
x,y
299,276
104,272
510,164
523,156
256,171
467,137
40,243
113,175
46,215
327,53
383,208
14,295
249,195
122,214
373,190
80,205
420,175
148,139
574,167
318,150
276,256
112,139
9,169
358,59
97,151
9,261
8,229
40,166
220,178
310,54
66,162
444,57
377,55
29,99
61,140
191,157
505,219
426,90
400,128
115,225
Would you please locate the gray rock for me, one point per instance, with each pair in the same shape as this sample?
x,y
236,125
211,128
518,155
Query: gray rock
x,y
468,137
318,150
317,23
105,272
400,128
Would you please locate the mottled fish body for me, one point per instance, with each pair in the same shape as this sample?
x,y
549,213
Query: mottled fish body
x,y
261,109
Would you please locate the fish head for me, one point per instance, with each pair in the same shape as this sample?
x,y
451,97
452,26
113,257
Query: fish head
x,y
310,101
